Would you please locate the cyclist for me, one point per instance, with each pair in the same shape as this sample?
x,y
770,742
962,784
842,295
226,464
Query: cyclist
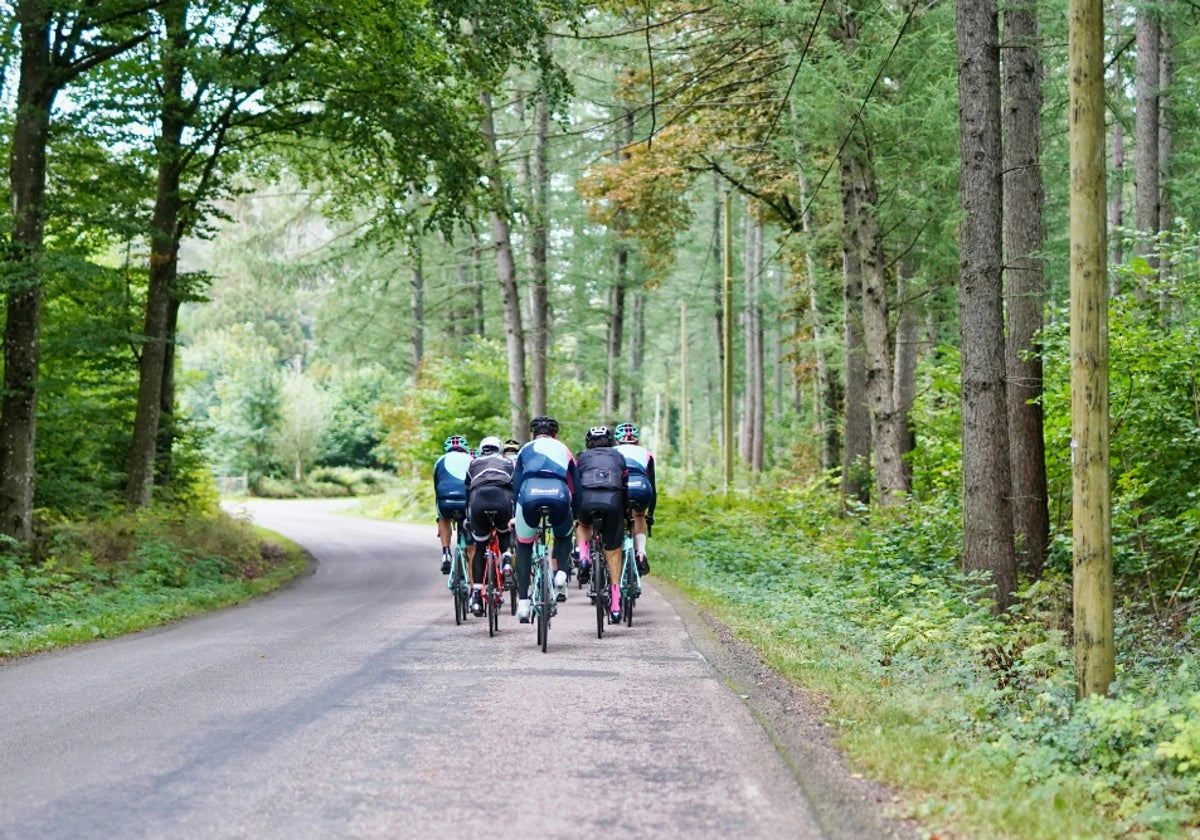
x,y
642,492
450,490
602,480
511,448
545,476
489,485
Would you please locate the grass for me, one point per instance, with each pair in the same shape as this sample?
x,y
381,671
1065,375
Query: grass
x,y
99,580
879,623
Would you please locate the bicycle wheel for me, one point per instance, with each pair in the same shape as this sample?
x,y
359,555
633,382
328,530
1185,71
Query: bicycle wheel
x,y
628,591
547,598
455,589
599,582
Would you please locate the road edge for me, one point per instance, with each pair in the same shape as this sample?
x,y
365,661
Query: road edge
x,y
845,805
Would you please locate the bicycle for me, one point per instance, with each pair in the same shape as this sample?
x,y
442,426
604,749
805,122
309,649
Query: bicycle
x,y
541,585
459,582
599,579
493,579
631,579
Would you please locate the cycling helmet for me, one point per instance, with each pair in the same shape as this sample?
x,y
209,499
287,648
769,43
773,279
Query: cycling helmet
x,y
511,447
456,442
627,433
598,436
543,425
490,445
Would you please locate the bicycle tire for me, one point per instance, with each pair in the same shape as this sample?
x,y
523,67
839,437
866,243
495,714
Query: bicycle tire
x,y
627,593
599,581
456,592
547,597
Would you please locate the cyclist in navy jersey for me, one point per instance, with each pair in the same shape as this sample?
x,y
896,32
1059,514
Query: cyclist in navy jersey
x,y
545,476
642,492
489,488
450,491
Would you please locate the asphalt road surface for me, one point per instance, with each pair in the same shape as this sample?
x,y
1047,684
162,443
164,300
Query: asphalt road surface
x,y
349,705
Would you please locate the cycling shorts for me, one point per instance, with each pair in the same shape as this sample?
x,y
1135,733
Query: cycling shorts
x,y
536,493
641,493
610,506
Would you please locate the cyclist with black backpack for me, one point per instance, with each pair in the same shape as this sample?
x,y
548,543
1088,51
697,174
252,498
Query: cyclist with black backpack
x,y
602,479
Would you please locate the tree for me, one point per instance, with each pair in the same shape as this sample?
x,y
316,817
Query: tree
x,y
59,43
1024,281
303,421
1091,494
987,511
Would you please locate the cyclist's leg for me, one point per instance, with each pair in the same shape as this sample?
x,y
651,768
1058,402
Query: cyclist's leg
x,y
614,537
525,533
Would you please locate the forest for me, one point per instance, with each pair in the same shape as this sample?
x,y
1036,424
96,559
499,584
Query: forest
x,y
824,255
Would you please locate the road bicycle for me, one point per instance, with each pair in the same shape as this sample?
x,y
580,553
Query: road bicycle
x,y
493,578
541,584
459,582
599,581
631,579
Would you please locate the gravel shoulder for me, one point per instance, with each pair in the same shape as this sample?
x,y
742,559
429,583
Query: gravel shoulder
x,y
846,805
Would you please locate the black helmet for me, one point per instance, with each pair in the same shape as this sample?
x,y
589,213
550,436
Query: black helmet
x,y
543,425
511,446
598,436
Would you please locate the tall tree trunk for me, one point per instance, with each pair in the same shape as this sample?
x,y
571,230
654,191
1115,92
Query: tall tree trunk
x,y
859,177
1166,77
752,324
828,399
856,453
1091,496
36,91
637,350
1024,282
540,294
507,273
904,384
1115,210
616,323
987,509
856,456
417,301
477,273
164,460
164,259
1146,179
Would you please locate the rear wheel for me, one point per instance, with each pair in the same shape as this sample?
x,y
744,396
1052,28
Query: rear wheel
x,y
456,591
629,593
547,602
599,584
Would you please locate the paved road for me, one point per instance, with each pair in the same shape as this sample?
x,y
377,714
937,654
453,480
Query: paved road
x,y
350,705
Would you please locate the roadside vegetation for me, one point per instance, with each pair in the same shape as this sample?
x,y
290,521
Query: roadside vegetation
x,y
970,718
100,579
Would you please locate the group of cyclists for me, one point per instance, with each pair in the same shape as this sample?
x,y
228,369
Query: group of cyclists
x,y
611,478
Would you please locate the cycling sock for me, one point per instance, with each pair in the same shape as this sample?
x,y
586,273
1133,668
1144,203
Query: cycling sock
x,y
584,553
639,543
614,593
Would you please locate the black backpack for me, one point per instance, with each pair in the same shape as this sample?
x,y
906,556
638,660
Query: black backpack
x,y
602,468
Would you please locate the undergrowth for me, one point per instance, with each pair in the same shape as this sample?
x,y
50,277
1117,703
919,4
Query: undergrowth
x,y
973,719
92,580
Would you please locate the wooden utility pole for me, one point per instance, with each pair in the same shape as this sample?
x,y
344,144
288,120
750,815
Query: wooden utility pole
x,y
1091,491
683,390
727,339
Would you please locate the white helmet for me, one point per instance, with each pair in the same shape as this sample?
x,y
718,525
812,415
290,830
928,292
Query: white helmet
x,y
490,445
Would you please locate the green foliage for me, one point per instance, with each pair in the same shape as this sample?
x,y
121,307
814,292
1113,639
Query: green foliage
x,y
972,717
467,394
99,579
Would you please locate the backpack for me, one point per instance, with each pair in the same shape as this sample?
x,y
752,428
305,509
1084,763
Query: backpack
x,y
601,469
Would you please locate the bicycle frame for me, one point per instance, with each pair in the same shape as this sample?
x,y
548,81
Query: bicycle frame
x,y
540,584
493,582
459,581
